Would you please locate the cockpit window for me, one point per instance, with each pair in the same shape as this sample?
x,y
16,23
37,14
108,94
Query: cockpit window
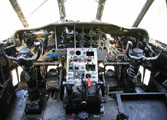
x,y
40,12
82,10
9,21
119,12
155,21
122,12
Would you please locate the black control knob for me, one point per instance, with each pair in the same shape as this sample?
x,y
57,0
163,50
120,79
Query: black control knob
x,y
78,52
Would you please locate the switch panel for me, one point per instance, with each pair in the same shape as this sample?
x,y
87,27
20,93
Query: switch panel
x,y
82,64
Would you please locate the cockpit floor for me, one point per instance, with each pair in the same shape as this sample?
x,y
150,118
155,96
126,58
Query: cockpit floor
x,y
54,109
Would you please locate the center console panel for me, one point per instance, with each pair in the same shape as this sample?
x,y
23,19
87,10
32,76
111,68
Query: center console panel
x,y
82,64
82,89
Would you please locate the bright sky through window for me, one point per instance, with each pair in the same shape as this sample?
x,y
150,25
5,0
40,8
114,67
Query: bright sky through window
x,y
120,12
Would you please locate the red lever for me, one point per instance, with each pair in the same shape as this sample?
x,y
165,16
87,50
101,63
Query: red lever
x,y
89,82
73,115
89,58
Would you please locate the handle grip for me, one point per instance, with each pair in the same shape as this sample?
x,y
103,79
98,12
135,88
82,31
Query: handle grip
x,y
21,57
143,57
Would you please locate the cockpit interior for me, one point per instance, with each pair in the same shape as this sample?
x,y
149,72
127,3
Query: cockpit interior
x,y
72,70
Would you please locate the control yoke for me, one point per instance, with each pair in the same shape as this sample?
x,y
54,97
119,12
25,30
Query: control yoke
x,y
138,54
24,55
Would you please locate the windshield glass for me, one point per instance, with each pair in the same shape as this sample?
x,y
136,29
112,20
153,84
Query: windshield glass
x,y
82,10
9,21
155,21
120,12
40,12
